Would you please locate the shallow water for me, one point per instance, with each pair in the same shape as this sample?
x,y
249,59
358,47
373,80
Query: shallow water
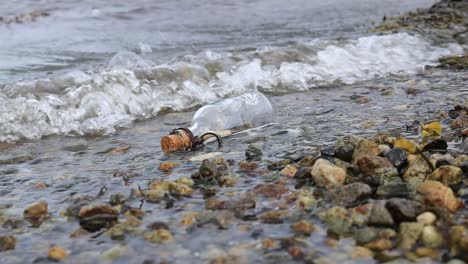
x,y
74,167
311,57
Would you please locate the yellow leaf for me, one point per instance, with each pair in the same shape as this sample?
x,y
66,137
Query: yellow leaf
x,y
432,129
405,144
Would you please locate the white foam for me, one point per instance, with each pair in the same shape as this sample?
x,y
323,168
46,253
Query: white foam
x,y
130,89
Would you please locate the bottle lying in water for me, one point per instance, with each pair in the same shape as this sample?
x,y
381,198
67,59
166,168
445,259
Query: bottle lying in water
x,y
219,119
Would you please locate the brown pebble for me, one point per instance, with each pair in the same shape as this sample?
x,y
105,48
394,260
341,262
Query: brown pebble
x,y
36,213
269,243
296,252
165,166
289,171
303,227
57,253
330,242
7,243
437,194
248,166
270,190
380,245
39,186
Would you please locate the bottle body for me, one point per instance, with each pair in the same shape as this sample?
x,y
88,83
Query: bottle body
x,y
221,119
250,109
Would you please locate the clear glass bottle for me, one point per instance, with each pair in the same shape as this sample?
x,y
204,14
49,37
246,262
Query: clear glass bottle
x,y
248,110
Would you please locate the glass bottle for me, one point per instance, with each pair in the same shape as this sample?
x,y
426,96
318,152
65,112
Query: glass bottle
x,y
245,111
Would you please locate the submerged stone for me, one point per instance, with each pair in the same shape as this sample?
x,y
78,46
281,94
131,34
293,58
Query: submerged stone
x,y
36,213
94,217
253,153
7,243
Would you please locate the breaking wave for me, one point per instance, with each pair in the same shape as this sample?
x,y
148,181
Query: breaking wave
x,y
131,88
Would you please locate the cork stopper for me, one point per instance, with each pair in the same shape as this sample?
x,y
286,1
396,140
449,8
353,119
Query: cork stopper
x,y
179,141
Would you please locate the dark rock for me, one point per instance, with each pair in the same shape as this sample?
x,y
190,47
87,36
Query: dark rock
x,y
348,195
442,162
438,145
464,167
253,153
278,165
208,170
116,199
328,151
344,152
398,158
380,216
396,189
404,209
158,225
302,173
93,218
7,243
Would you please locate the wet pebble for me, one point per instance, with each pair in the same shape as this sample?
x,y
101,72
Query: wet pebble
x,y
168,165
327,175
160,236
349,194
365,148
253,153
248,166
36,213
378,167
57,253
303,227
396,189
398,158
7,242
289,171
94,217
270,190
